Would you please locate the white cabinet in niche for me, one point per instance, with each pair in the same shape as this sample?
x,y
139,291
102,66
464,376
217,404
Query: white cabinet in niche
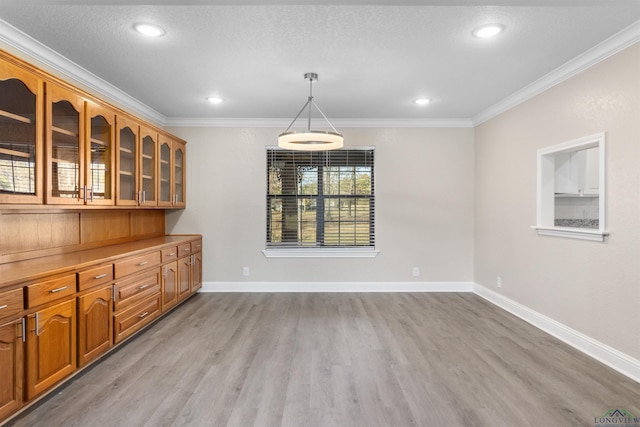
x,y
577,172
571,190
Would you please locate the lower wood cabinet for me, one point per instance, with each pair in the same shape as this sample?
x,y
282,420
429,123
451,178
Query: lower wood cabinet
x,y
51,325
95,328
169,285
184,278
196,271
128,321
11,367
51,346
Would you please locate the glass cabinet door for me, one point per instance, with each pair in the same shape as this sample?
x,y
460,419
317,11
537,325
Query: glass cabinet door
x,y
21,153
165,186
179,187
148,166
64,137
100,155
126,161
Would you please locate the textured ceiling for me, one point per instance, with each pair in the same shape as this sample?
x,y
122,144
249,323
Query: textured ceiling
x,y
373,58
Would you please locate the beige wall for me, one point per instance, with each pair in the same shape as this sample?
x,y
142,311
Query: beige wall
x,y
424,207
591,287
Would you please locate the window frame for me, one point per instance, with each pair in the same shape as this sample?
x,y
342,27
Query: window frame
x,y
320,249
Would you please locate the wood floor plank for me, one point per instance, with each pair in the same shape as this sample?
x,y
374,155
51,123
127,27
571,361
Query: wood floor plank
x,y
339,359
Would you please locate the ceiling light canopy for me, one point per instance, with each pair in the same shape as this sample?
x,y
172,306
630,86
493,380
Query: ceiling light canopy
x,y
215,99
421,101
148,29
487,31
310,140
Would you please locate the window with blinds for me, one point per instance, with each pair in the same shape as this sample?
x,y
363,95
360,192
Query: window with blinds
x,y
320,198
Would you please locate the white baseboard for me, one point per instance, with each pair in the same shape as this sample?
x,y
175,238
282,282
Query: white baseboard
x,y
611,357
337,287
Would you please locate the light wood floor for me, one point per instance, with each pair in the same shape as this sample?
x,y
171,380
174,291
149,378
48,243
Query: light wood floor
x,y
378,359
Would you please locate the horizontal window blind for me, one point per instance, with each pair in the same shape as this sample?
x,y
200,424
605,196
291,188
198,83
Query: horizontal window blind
x,y
320,198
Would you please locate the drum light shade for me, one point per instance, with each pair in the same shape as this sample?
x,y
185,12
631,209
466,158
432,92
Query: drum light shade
x,y
310,140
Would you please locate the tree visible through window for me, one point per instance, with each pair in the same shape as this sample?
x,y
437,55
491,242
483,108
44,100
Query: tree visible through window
x,y
320,198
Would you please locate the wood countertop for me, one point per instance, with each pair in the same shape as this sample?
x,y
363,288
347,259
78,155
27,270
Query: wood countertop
x,y
16,274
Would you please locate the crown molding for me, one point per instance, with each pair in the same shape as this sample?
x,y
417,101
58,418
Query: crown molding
x,y
338,123
614,44
28,48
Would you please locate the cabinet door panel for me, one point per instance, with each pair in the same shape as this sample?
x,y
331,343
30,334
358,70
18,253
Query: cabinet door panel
x,y
100,156
184,278
179,175
148,167
21,135
196,272
94,324
11,368
169,285
65,146
126,161
51,346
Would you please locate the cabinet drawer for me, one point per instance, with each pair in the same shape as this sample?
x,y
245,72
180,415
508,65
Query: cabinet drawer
x,y
169,254
196,246
135,317
134,289
11,303
95,276
50,290
184,250
137,263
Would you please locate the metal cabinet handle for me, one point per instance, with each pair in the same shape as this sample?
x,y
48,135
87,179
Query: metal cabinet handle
x,y
53,291
84,197
100,276
143,287
172,254
3,306
143,314
91,194
140,264
37,331
24,330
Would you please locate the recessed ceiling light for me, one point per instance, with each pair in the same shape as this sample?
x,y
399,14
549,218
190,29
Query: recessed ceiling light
x,y
421,101
487,31
149,29
215,99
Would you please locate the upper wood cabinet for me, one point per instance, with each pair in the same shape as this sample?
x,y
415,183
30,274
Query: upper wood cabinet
x,y
65,147
172,173
148,167
62,146
79,141
127,136
21,132
100,154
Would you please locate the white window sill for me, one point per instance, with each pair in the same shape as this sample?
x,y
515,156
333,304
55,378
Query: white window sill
x,y
572,233
320,253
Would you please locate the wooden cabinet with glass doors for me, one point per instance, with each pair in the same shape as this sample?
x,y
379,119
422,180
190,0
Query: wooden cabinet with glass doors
x,y
21,142
100,156
127,135
148,167
79,143
172,173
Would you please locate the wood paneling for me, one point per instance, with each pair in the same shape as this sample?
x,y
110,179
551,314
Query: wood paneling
x,y
26,234
147,223
100,226
23,233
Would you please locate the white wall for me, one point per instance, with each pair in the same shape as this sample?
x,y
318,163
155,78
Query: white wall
x,y
424,207
591,287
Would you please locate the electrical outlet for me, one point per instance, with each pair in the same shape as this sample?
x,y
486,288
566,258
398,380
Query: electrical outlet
x,y
416,272
245,271
499,281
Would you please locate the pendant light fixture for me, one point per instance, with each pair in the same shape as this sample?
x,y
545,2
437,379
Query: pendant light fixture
x,y
310,140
